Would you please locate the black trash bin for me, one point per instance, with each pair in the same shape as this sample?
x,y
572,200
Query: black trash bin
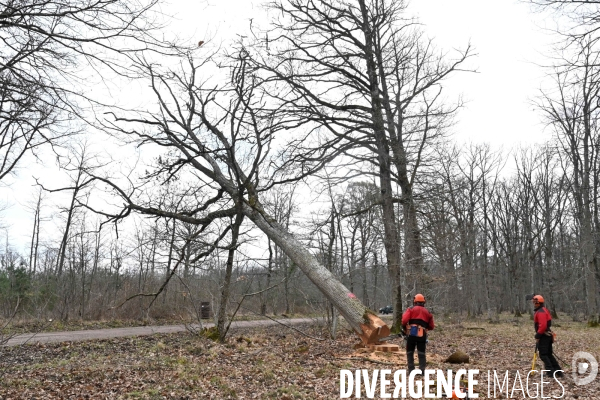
x,y
205,310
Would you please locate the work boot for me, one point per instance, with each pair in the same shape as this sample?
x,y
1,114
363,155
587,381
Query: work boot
x,y
410,361
422,360
552,374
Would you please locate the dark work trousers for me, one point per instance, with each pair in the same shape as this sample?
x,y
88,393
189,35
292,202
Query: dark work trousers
x,y
545,349
420,344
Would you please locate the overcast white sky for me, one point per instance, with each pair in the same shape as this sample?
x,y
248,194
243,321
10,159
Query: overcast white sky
x,y
507,37
510,41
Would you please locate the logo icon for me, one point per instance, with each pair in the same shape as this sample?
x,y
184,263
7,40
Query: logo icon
x,y
582,368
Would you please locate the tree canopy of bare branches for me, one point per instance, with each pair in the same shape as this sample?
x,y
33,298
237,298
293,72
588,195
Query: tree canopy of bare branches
x,y
48,51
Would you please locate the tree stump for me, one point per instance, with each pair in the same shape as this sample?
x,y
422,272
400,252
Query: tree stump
x,y
374,330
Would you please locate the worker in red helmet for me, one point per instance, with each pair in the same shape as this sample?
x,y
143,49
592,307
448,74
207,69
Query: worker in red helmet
x,y
417,321
542,321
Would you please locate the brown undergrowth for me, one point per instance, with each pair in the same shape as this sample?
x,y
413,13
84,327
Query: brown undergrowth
x,y
264,364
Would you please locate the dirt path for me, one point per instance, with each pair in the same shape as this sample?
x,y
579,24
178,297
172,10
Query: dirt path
x,y
75,336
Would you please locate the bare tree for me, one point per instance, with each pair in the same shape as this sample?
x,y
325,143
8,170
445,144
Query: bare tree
x,y
280,203
550,196
366,84
361,215
222,327
35,234
76,165
45,47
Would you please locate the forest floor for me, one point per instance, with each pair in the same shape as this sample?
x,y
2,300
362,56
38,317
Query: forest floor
x,y
273,363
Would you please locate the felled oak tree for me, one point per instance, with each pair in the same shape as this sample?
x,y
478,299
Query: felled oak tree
x,y
222,137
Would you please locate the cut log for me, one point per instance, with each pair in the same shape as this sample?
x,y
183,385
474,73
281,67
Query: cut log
x,y
385,347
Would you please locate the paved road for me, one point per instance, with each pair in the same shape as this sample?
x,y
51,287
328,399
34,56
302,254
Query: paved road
x,y
73,336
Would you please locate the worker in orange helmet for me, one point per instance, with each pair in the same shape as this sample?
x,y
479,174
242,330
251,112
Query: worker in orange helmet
x,y
542,321
417,321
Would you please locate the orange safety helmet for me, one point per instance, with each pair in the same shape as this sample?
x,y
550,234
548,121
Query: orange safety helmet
x,y
537,299
419,298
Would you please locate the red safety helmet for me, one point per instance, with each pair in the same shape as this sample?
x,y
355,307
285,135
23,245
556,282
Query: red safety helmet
x,y
419,298
537,299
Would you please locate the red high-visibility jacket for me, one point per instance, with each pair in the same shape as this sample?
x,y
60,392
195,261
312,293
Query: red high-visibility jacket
x,y
542,321
418,315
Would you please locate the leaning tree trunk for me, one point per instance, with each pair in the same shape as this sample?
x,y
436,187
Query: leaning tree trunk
x,y
367,325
